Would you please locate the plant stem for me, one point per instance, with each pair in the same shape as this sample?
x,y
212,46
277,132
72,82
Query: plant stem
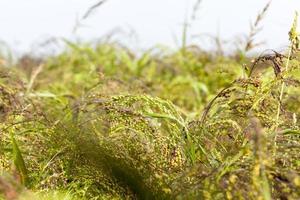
x,y
281,93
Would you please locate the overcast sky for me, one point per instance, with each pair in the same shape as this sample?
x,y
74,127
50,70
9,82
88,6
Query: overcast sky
x,y
27,22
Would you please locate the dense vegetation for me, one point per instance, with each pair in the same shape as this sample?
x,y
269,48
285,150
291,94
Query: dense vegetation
x,y
99,122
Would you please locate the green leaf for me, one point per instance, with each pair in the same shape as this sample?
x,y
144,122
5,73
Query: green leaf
x,y
19,161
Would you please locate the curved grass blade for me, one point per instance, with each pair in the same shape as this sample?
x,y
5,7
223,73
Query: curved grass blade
x,y
19,161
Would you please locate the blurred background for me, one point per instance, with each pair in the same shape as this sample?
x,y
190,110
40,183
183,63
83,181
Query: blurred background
x,y
140,24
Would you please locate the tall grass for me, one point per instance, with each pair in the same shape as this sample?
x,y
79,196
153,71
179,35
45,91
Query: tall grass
x,y
102,123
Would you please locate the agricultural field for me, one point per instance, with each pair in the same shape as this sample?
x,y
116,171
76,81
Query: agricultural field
x,y
99,122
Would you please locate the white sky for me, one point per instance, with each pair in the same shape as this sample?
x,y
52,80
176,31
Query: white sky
x,y
27,22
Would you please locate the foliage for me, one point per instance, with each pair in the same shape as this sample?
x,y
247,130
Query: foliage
x,y
103,123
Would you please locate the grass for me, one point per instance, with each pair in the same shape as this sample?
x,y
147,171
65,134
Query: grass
x,y
99,122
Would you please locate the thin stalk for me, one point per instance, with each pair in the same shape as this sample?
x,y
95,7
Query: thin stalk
x,y
33,77
185,32
281,93
294,39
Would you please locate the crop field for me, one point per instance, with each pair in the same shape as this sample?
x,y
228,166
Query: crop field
x,y
99,121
